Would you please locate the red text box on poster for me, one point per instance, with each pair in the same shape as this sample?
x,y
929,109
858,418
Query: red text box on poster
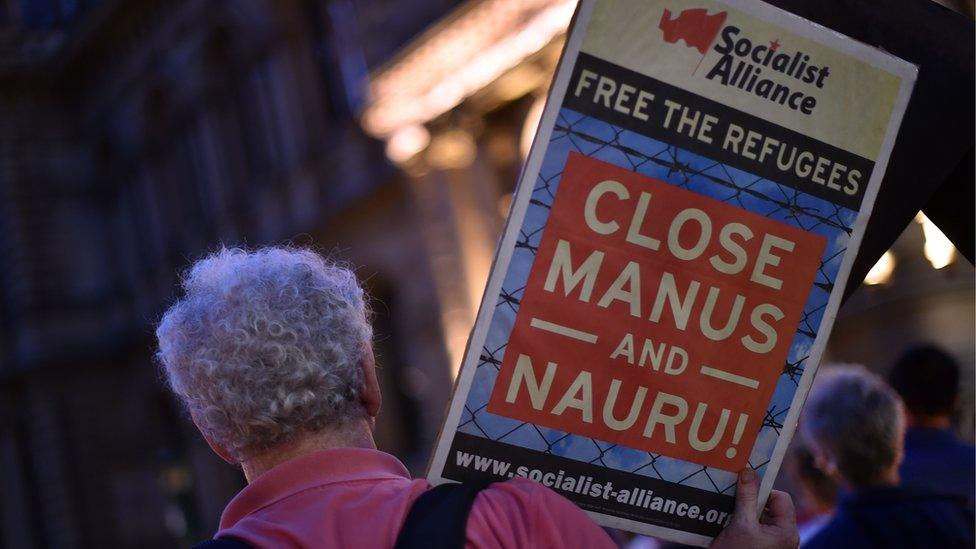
x,y
655,317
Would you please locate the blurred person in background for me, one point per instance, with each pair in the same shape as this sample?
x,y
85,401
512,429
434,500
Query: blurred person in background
x,y
271,353
927,379
855,425
817,493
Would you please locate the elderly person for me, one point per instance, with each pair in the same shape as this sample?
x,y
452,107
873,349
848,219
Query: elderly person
x,y
854,424
270,351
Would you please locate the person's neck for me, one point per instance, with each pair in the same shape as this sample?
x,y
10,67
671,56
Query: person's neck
x,y
929,422
358,434
888,478
819,507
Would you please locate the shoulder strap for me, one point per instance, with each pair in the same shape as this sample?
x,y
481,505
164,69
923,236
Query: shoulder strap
x,y
222,543
439,517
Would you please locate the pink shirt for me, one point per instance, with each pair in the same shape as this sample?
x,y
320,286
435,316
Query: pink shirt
x,y
353,497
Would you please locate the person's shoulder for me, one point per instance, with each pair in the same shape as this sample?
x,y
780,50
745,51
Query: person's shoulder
x,y
526,498
949,516
965,451
914,496
943,503
523,513
524,489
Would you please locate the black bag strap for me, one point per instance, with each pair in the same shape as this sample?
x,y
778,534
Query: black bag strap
x,y
439,517
222,543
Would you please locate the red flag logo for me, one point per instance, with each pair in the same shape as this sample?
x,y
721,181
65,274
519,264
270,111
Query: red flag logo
x,y
695,26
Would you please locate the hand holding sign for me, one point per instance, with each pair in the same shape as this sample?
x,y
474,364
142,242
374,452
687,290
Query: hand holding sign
x,y
775,529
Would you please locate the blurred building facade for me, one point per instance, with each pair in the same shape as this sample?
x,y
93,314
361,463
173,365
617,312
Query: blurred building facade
x,y
136,135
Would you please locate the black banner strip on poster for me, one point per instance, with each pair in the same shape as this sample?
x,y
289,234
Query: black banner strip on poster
x,y
594,488
622,97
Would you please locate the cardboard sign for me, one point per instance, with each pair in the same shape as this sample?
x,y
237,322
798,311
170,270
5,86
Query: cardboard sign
x,y
676,252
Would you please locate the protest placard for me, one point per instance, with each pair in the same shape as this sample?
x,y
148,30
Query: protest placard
x,y
676,252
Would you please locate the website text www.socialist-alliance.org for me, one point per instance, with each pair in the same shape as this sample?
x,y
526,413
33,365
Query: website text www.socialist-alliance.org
x,y
590,487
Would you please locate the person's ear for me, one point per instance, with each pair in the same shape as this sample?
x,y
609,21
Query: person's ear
x,y
371,397
825,462
217,448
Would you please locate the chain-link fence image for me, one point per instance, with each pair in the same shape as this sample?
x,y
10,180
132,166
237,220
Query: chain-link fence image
x,y
575,132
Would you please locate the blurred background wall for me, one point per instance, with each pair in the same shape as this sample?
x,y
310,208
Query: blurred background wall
x,y
138,135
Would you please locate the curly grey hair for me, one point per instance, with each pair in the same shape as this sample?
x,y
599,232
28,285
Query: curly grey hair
x,y
266,344
858,418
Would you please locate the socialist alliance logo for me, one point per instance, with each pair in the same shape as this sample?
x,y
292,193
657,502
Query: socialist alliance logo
x,y
744,59
694,26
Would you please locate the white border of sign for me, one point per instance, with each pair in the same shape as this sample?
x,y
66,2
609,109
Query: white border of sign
x,y
523,193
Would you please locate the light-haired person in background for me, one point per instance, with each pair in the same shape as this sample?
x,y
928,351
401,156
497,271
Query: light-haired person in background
x,y
854,424
271,352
